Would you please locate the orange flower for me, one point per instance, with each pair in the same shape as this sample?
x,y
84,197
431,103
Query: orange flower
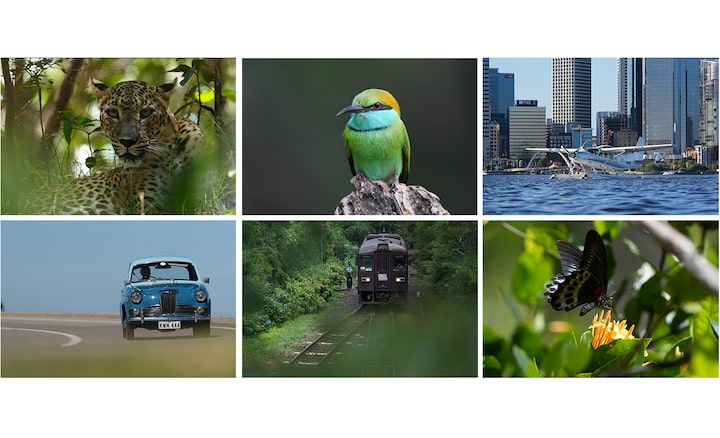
x,y
605,331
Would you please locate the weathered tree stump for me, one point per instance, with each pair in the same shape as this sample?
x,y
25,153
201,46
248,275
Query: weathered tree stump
x,y
372,197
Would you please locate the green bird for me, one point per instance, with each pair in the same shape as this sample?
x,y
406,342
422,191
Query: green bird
x,y
376,141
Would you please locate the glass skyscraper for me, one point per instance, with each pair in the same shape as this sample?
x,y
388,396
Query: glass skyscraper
x,y
657,107
686,102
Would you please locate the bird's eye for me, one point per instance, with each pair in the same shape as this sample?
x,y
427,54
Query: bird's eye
x,y
376,105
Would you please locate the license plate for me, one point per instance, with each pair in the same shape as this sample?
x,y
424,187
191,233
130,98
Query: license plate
x,y
169,325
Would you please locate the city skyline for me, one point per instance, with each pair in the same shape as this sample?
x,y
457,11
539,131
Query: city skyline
x,y
533,81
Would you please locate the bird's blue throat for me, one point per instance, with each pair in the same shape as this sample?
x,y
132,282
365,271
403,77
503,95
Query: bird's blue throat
x,y
372,120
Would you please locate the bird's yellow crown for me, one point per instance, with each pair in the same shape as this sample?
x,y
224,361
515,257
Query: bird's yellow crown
x,y
371,95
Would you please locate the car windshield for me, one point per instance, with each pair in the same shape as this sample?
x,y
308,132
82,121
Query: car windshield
x,y
163,271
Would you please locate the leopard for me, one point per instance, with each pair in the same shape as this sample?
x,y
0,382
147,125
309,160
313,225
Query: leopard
x,y
152,144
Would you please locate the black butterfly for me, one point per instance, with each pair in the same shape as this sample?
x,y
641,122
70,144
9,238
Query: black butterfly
x,y
584,276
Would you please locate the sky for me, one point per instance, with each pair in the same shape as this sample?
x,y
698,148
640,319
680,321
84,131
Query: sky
x,y
80,266
533,81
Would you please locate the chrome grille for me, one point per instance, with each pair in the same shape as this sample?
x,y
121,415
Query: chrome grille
x,y
168,302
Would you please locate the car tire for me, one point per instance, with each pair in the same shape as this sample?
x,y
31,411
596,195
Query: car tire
x,y
128,332
201,329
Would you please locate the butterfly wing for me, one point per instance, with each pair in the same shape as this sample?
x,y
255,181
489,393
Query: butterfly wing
x,y
583,280
570,257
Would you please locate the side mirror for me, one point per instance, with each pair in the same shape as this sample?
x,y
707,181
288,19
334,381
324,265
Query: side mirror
x,y
206,280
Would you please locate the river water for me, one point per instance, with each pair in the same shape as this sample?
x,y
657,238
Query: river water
x,y
508,194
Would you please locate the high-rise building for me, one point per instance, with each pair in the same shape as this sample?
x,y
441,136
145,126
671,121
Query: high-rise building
x,y
502,97
708,96
494,141
657,105
571,91
502,92
622,76
635,93
527,128
686,102
665,100
486,111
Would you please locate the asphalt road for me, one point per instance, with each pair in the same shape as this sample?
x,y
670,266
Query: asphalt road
x,y
92,346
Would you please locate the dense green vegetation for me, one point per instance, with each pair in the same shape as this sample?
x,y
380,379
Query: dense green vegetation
x,y
51,132
292,268
663,281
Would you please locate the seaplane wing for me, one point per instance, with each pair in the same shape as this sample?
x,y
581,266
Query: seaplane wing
x,y
558,150
612,149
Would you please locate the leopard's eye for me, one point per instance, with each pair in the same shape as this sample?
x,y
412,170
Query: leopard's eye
x,y
145,112
112,112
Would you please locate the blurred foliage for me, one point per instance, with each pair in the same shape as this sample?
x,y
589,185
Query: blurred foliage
x,y
51,132
675,315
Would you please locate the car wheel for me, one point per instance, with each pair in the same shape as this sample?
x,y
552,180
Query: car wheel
x,y
128,332
201,329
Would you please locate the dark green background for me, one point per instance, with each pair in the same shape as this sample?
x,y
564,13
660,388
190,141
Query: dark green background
x,y
292,148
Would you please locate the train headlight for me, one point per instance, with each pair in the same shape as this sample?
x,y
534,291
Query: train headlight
x,y
399,279
136,297
365,280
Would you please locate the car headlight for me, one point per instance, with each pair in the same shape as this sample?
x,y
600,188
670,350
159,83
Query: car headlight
x,y
200,295
136,297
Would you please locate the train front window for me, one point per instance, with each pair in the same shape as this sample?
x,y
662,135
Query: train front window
x,y
382,263
366,263
398,263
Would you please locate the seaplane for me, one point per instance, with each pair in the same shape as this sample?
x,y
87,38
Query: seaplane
x,y
606,159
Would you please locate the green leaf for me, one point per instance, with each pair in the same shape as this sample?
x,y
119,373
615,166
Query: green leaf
x,y
526,365
533,268
229,94
181,68
67,128
621,352
491,367
650,295
685,287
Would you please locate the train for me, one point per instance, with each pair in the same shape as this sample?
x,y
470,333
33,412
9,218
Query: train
x,y
382,269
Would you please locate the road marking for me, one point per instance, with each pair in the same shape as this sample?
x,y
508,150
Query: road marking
x,y
74,340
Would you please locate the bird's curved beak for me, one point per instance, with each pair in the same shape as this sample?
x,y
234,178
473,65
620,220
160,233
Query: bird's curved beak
x,y
354,108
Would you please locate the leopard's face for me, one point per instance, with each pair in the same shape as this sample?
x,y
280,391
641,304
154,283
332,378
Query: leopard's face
x,y
136,118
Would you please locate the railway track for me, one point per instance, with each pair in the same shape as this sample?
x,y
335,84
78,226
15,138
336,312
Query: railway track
x,y
350,330
358,345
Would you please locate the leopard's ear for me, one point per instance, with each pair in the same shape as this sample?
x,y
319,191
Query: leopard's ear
x,y
98,87
165,89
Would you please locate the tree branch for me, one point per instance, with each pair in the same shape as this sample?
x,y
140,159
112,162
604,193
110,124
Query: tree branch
x,y
62,98
684,249
372,197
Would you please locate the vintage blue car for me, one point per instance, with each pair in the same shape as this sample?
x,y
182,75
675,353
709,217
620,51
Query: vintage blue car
x,y
164,293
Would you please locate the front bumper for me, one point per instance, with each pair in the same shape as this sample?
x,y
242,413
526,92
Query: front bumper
x,y
151,322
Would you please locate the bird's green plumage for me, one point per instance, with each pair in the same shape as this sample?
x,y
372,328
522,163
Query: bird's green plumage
x,y
376,141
